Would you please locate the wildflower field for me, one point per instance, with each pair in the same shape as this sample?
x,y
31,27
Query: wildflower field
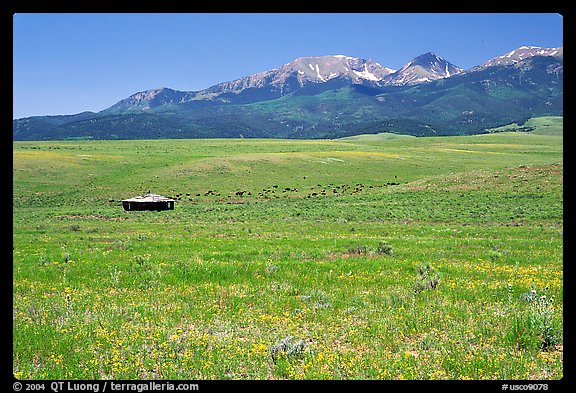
x,y
376,257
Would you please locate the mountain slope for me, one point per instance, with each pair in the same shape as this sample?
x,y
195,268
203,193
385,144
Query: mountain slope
x,y
331,96
146,100
519,54
466,103
471,102
40,127
422,69
301,76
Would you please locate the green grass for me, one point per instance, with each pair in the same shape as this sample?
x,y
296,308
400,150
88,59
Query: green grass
x,y
547,125
369,258
376,137
544,125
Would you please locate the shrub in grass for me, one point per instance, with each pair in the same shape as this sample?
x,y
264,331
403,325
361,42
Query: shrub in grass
x,y
43,260
383,248
358,249
535,326
541,320
287,349
494,255
316,298
65,254
142,260
427,278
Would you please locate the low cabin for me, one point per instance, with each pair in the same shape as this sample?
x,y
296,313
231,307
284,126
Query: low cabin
x,y
148,201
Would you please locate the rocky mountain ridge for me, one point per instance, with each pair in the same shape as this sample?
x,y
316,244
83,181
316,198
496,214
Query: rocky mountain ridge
x,y
302,75
520,54
330,96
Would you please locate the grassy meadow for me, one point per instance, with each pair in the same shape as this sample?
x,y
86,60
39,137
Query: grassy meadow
x,y
371,257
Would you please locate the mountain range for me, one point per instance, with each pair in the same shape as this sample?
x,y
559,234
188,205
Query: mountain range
x,y
329,97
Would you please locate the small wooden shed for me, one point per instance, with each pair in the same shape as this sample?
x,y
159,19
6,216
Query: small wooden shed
x,y
148,201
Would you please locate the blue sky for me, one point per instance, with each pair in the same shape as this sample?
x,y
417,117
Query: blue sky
x,y
69,63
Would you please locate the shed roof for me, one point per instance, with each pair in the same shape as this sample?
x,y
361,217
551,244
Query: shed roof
x,y
149,197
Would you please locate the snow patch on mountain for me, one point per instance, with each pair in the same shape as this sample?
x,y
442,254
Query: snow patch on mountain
x,y
301,72
365,74
520,54
422,69
339,70
318,74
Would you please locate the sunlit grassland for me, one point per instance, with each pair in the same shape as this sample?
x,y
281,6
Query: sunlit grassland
x,y
364,258
545,125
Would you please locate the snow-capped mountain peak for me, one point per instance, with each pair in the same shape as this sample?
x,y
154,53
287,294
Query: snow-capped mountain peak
x,y
324,68
339,70
520,54
315,74
422,69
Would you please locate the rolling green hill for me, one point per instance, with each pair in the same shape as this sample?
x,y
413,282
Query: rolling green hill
x,y
545,125
379,257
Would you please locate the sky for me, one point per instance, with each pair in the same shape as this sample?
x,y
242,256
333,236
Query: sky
x,y
67,63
